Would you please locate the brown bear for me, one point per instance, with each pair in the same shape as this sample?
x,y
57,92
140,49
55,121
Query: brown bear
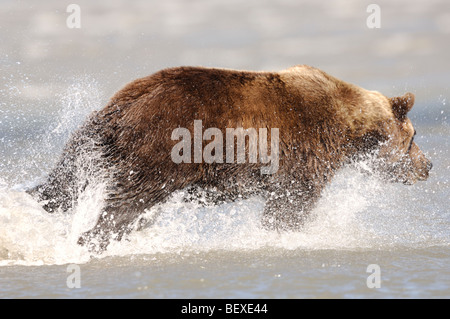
x,y
321,122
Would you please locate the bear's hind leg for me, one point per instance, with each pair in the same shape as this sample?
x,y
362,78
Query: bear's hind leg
x,y
120,217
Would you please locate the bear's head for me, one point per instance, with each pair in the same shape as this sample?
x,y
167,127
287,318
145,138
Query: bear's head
x,y
398,157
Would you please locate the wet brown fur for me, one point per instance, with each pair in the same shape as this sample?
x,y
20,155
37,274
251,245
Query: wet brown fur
x,y
323,123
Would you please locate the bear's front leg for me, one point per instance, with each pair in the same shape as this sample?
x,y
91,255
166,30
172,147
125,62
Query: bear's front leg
x,y
287,207
99,237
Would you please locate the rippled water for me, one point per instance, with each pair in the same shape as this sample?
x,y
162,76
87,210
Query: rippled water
x,y
219,252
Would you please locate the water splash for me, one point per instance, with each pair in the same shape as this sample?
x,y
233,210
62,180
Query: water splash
x,y
32,236
78,101
356,211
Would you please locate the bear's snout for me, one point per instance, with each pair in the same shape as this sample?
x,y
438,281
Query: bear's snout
x,y
425,172
420,164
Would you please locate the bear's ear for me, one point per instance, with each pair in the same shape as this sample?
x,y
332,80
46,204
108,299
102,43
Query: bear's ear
x,y
401,105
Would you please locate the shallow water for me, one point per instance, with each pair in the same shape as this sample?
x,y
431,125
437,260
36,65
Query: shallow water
x,y
221,252
263,273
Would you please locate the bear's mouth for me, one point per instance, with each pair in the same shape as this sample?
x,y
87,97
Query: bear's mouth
x,y
404,171
409,182
420,175
405,178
